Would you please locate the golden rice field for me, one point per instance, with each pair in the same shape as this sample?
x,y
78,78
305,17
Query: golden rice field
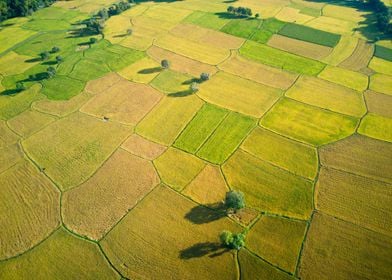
x,y
117,167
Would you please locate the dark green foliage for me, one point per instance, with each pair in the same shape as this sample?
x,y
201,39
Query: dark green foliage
x,y
257,15
118,8
232,240
51,72
103,13
235,200
383,52
17,8
204,77
94,26
165,64
44,56
55,49
383,15
59,59
20,86
93,40
309,34
240,11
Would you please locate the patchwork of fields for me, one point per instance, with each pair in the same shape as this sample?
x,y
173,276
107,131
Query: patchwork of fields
x,y
116,169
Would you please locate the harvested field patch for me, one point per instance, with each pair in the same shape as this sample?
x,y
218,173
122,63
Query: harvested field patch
x,y
13,105
290,14
7,137
257,72
61,108
307,123
332,25
353,198
379,104
94,207
290,155
29,122
13,63
238,94
360,57
9,156
243,28
197,51
381,66
125,102
102,84
32,206
345,13
136,42
381,83
277,240
167,13
72,148
116,28
181,63
337,249
343,50
153,26
226,138
200,128
208,187
207,36
142,71
46,25
269,188
345,77
376,126
383,52
207,20
308,34
172,83
299,47
280,59
328,95
360,155
56,13
177,168
166,121
62,88
191,246
144,148
254,268
61,256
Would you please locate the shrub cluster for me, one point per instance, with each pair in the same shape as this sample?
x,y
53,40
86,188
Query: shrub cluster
x,y
240,11
21,8
232,240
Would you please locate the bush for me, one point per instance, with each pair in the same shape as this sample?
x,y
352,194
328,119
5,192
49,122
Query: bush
x,y
93,40
204,77
55,49
20,86
165,63
232,240
59,59
194,87
235,200
129,31
44,56
51,72
257,15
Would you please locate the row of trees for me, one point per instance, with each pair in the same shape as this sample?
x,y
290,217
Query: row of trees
x,y
20,8
241,11
383,15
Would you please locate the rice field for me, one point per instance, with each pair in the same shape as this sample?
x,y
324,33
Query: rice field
x,y
114,165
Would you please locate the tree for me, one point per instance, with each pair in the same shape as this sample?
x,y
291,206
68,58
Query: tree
x,y
129,32
235,200
44,55
32,77
230,9
103,14
257,15
59,59
51,72
165,64
194,87
232,240
204,76
93,40
20,86
55,49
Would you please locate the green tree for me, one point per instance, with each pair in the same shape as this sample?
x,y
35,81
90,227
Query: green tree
x,y
232,240
235,200
55,49
50,72
44,55
204,77
129,31
92,40
20,86
165,64
257,15
59,59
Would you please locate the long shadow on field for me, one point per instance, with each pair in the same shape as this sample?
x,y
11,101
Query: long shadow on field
x,y
202,249
201,214
150,70
181,93
368,27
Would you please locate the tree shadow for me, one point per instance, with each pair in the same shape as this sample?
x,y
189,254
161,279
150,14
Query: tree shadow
x,y
201,214
199,250
150,70
229,1
190,81
120,35
181,93
225,15
367,27
32,60
8,92
53,62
